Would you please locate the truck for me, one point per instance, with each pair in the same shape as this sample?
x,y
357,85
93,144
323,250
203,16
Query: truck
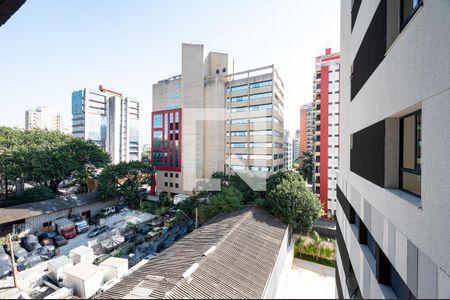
x,y
65,227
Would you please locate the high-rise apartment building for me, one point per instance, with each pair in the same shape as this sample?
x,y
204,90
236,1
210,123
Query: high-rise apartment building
x,y
393,191
211,119
306,128
44,118
109,120
287,150
326,129
296,146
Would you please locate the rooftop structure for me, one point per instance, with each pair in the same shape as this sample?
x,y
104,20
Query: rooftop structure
x,y
234,255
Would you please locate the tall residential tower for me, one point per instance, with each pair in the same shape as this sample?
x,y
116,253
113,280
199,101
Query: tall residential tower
x,y
326,129
393,192
110,120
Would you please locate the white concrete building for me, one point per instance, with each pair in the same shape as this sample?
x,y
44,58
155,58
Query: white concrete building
x,y
110,120
296,146
287,150
44,118
393,191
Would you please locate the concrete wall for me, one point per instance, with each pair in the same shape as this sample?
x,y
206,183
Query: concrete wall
x,y
283,264
414,74
35,223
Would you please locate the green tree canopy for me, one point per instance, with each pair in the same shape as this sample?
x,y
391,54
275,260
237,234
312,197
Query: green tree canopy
x,y
126,179
292,202
47,157
307,166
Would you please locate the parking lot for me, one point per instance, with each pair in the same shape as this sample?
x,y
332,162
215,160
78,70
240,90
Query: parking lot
x,y
31,277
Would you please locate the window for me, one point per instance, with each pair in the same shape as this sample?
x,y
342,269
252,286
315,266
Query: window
x,y
260,119
239,109
177,175
260,84
171,184
239,88
157,121
165,183
407,10
176,185
224,70
47,224
239,121
261,95
238,145
217,71
410,152
239,98
171,175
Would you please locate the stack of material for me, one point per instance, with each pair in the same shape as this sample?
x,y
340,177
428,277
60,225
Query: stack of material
x,y
114,268
85,279
82,254
57,266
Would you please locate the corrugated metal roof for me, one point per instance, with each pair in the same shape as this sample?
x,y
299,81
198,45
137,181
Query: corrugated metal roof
x,y
247,245
23,211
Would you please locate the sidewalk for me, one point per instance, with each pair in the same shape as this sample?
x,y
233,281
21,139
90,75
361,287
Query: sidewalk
x,y
307,280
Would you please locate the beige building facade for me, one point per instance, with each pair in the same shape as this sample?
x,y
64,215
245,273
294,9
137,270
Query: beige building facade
x,y
211,119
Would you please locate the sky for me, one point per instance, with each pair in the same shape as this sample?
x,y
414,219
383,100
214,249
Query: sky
x,y
50,48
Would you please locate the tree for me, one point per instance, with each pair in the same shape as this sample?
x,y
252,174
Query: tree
x,y
292,202
50,157
229,199
248,195
9,166
126,180
47,157
307,166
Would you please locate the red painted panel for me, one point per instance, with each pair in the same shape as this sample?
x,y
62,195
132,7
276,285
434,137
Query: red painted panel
x,y
170,150
324,138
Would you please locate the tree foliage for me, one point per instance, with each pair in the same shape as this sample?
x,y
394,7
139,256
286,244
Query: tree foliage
x,y
248,195
228,200
47,157
290,200
307,166
126,179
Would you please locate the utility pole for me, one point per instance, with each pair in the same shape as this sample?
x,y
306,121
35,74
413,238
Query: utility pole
x,y
14,268
196,217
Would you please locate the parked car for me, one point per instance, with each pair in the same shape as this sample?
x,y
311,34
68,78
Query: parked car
x,y
28,262
106,211
121,207
45,253
59,241
47,242
144,229
98,230
20,252
47,235
82,226
30,242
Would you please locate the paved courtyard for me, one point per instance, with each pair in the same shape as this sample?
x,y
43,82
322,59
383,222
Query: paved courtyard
x,y
307,280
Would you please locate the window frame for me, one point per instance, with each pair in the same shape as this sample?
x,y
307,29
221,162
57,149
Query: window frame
x,y
404,21
416,170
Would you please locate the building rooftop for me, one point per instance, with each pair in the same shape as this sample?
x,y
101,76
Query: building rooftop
x,y
231,256
27,210
82,270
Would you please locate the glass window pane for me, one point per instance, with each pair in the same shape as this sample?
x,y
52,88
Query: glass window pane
x,y
411,182
157,121
419,139
409,126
